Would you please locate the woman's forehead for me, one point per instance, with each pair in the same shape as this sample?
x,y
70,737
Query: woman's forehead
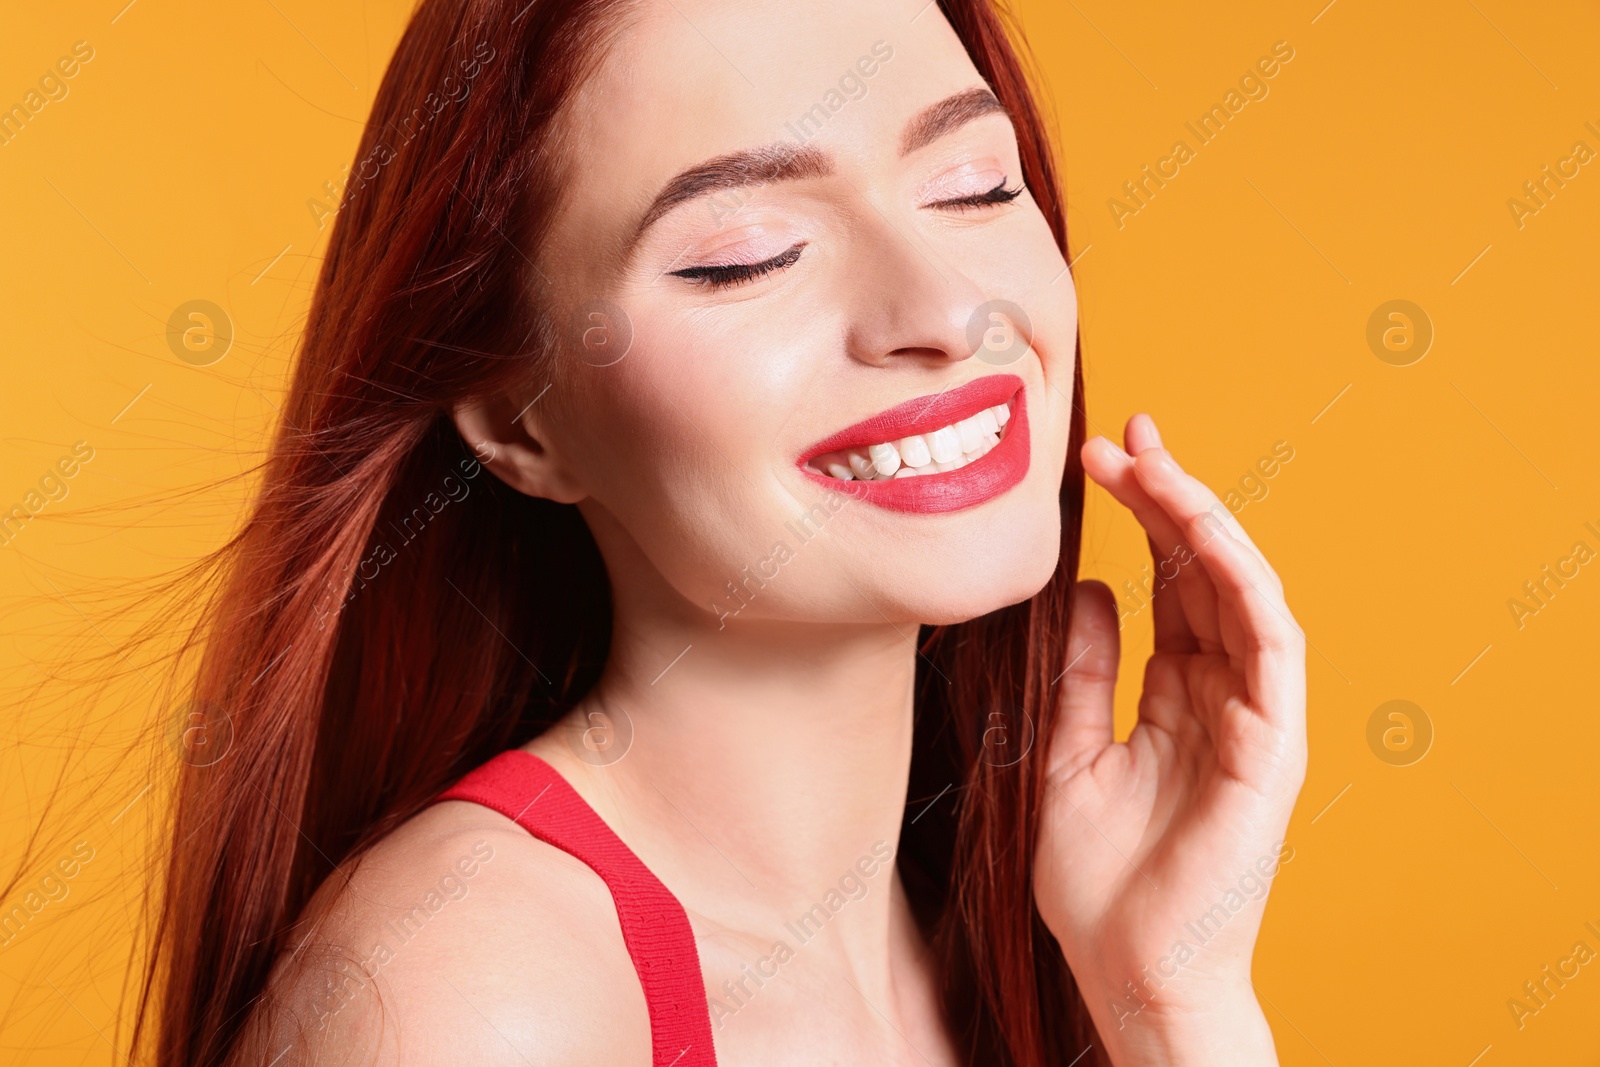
x,y
687,81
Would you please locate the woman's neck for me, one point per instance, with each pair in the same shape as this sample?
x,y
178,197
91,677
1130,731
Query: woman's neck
x,y
765,779
766,773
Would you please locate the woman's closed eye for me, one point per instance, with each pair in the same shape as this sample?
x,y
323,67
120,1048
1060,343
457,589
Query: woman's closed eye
x,y
722,276
998,195
728,275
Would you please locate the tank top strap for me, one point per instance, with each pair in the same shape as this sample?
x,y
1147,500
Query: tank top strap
x,y
655,928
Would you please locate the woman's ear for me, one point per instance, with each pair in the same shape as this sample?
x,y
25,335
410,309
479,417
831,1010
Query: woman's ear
x,y
511,440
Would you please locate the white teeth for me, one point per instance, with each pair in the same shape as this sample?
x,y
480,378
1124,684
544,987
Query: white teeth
x,y
946,449
885,458
914,451
945,444
970,433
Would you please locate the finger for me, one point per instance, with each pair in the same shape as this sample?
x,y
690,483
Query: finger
x,y
1268,642
1271,646
1140,434
1113,468
1171,628
1150,437
1186,497
1164,700
1088,681
1143,430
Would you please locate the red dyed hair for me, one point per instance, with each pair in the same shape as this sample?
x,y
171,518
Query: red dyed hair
x,y
360,683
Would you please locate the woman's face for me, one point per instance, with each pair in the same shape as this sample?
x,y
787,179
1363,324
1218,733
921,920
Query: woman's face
x,y
789,264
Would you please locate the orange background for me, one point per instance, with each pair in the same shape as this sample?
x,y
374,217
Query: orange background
x,y
1233,306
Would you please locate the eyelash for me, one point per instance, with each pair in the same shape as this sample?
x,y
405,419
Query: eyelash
x,y
998,195
732,274
721,277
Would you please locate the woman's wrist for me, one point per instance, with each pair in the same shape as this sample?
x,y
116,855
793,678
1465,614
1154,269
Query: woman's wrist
x,y
1234,1033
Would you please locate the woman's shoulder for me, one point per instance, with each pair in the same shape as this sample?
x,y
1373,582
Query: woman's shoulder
x,y
458,937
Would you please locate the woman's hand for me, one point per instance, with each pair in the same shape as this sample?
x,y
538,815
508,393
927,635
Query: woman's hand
x,y
1154,855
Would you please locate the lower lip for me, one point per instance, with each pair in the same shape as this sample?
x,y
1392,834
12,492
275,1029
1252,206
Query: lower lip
x,y
1002,467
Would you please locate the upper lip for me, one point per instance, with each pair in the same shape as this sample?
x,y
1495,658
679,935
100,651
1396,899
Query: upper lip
x,y
921,414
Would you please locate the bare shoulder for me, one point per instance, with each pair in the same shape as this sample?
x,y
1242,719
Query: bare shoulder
x,y
458,938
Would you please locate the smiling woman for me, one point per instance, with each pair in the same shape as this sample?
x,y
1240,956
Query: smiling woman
x,y
800,315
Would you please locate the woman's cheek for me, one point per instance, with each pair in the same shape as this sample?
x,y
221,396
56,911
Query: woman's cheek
x,y
667,442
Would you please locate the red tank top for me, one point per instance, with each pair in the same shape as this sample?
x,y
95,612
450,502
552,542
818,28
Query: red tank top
x,y
655,928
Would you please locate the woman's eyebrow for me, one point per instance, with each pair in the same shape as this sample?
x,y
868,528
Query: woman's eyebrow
x,y
791,161
783,161
932,123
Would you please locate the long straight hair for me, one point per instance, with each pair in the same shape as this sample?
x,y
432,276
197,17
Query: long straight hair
x,y
385,619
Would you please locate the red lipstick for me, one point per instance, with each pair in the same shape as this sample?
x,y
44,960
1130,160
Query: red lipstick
x,y
980,480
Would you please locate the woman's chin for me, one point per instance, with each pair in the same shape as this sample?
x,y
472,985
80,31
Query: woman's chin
x,y
950,610
956,591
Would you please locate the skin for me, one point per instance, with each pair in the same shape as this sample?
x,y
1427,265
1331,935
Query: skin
x,y
767,759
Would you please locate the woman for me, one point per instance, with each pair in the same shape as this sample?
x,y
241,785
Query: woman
x,y
778,729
